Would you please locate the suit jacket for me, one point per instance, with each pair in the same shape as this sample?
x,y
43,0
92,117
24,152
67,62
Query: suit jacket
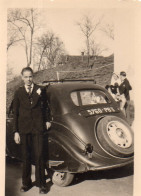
x,y
124,88
30,112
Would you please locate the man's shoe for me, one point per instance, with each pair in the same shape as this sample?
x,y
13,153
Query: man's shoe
x,y
25,188
42,190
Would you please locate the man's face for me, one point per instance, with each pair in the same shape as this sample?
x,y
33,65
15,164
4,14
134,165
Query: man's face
x,y
122,78
27,77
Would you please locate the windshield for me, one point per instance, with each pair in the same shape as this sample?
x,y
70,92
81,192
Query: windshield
x,y
89,97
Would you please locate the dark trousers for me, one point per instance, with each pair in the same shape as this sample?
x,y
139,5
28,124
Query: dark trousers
x,y
32,146
127,112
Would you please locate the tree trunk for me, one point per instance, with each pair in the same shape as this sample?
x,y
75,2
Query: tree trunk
x,y
26,52
31,43
88,52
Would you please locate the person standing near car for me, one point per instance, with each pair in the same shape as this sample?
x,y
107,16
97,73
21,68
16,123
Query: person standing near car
x,y
124,89
113,88
30,114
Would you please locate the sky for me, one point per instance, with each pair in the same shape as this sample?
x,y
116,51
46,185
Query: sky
x,y
63,23
124,45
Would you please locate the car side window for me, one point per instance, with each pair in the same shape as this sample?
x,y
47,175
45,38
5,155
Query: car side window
x,y
74,98
90,97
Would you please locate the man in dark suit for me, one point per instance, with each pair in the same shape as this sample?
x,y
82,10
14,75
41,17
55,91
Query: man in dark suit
x,y
124,89
30,106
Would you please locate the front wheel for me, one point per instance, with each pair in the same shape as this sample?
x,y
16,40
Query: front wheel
x,y
62,178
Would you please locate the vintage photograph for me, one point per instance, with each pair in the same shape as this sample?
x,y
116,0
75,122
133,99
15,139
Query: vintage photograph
x,y
70,102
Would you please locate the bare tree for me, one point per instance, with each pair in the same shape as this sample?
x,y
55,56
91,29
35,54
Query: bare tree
x,y
43,43
96,48
49,46
12,37
24,23
108,29
10,74
88,26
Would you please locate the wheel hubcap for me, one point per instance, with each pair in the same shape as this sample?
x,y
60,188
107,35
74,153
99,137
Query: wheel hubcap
x,y
58,176
119,134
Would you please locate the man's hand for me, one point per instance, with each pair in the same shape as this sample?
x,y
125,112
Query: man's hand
x,y
48,125
17,138
117,97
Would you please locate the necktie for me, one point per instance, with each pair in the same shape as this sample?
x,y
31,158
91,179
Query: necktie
x,y
29,93
29,90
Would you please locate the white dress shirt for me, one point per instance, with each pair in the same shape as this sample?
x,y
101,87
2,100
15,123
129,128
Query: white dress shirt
x,y
26,88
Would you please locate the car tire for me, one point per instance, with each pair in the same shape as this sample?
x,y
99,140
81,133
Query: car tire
x,y
115,136
62,178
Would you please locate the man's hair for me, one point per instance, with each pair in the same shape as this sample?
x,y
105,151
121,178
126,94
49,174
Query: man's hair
x,y
122,73
27,69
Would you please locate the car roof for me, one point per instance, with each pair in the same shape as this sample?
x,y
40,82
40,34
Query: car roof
x,y
72,86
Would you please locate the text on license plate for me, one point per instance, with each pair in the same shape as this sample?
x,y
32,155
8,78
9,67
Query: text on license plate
x,y
101,110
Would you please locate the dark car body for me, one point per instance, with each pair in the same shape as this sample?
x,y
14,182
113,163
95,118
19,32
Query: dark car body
x,y
72,144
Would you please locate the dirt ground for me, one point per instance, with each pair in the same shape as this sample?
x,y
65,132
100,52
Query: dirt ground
x,y
101,183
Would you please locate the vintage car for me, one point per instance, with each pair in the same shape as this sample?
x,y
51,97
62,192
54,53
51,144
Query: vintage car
x,y
88,132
